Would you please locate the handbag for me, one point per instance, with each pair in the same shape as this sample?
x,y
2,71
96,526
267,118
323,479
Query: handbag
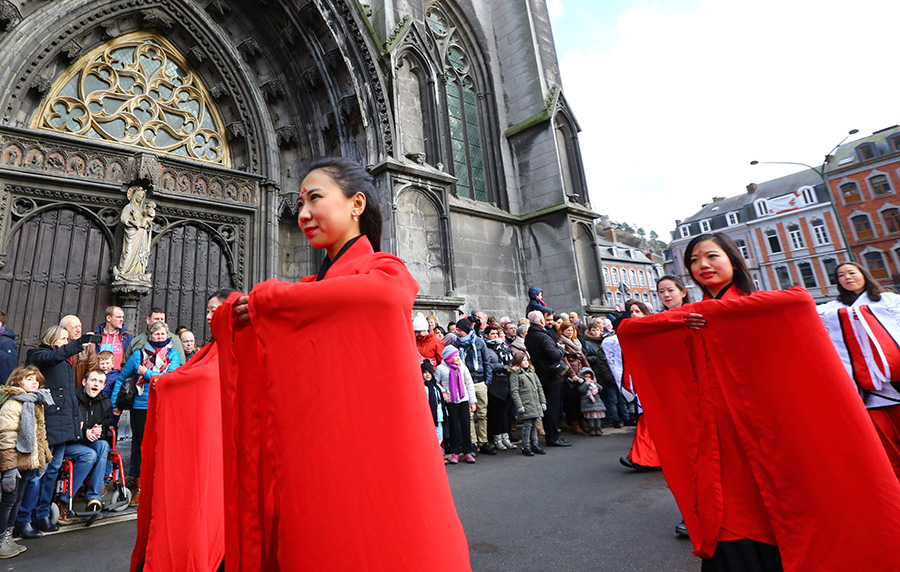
x,y
559,368
127,393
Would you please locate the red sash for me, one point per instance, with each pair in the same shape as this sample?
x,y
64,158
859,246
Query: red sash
x,y
885,355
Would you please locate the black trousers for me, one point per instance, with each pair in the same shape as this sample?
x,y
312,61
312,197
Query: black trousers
x,y
498,415
460,437
743,555
138,420
553,394
9,504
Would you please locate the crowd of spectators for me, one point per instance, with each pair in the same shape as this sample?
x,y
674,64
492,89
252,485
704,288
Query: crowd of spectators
x,y
541,373
65,403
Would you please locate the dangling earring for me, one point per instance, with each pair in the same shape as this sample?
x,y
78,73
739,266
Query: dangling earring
x,y
355,218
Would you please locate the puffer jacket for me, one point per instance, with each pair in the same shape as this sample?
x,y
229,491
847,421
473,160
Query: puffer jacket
x,y
527,393
62,418
131,368
430,347
10,419
596,359
501,358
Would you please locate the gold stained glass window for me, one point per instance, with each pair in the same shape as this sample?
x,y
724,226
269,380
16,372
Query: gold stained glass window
x,y
137,90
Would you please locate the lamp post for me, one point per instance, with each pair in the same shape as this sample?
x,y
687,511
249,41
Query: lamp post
x,y
821,173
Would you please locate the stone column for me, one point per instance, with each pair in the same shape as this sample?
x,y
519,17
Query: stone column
x,y
128,296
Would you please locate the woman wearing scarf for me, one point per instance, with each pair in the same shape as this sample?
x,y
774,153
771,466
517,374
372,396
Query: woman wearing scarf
x,y
568,337
454,378
499,402
158,356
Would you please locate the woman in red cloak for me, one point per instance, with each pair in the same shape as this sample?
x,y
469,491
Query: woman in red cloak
x,y
181,520
374,499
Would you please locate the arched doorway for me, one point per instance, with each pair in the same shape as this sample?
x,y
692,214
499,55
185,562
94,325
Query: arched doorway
x,y
58,261
188,262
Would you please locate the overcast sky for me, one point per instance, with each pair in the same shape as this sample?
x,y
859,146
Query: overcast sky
x,y
676,97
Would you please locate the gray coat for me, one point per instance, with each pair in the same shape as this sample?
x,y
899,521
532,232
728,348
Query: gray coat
x,y
526,391
587,405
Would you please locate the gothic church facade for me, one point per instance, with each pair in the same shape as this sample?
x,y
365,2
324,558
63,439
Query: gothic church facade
x,y
214,108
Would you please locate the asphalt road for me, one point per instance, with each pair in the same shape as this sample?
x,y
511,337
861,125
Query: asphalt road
x,y
574,509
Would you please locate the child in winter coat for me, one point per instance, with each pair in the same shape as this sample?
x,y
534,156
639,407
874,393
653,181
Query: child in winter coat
x,y
456,382
106,361
592,408
435,399
529,401
23,445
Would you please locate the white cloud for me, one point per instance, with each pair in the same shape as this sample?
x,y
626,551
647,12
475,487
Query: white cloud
x,y
674,111
556,9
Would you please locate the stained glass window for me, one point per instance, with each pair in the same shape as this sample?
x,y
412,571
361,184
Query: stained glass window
x,y
463,124
137,90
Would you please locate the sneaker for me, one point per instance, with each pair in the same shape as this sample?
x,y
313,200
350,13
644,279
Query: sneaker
x,y
453,459
681,529
470,458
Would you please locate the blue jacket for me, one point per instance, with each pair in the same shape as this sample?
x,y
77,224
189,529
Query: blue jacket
x,y
9,353
478,349
130,369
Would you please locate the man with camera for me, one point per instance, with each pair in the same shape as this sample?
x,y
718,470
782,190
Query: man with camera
x,y
87,359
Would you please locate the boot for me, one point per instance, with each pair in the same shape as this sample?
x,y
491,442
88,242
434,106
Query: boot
x,y
499,444
6,548
18,547
506,442
136,497
576,428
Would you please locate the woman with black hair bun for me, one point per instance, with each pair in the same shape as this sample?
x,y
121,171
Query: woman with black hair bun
x,y
863,325
290,366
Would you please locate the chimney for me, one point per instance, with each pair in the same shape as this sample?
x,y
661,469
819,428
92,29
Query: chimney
x,y
751,188
718,199
677,222
609,233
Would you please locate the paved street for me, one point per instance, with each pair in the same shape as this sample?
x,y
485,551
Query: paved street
x,y
574,509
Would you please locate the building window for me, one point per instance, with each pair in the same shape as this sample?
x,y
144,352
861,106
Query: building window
x,y
745,252
850,192
809,195
463,134
624,274
895,143
685,231
704,226
796,236
762,209
615,275
807,275
732,219
641,278
609,298
633,275
821,234
865,151
774,243
784,278
880,185
830,266
619,299
875,263
606,275
862,226
891,219
756,283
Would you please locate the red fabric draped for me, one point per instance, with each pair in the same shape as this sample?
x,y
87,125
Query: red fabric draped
x,y
762,387
180,523
643,451
328,433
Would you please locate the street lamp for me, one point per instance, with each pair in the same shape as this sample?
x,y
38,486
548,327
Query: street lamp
x,y
821,173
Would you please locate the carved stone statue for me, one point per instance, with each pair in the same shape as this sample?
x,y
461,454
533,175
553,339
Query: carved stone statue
x,y
137,216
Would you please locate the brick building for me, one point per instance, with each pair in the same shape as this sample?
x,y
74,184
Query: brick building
x,y
785,229
628,273
864,176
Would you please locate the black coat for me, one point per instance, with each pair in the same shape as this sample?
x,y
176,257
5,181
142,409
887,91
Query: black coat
x,y
63,418
501,359
543,351
9,354
93,411
597,361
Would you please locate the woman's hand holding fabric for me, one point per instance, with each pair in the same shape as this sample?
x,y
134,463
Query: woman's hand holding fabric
x,y
241,312
695,321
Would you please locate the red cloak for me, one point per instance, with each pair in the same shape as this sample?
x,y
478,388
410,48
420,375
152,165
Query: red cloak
x,y
330,452
181,523
761,386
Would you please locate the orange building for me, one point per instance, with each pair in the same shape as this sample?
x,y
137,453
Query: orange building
x,y
863,177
